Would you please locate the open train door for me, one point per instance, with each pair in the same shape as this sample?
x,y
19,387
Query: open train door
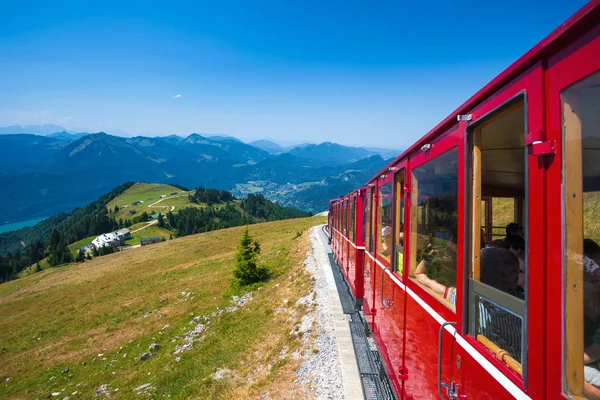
x,y
501,352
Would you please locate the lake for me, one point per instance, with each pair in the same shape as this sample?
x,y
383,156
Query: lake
x,y
15,226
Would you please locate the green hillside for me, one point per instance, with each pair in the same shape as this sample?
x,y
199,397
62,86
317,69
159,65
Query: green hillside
x,y
150,194
73,330
55,241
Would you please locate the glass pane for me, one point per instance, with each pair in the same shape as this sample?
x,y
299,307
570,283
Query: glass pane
x,y
368,222
352,220
399,222
581,124
434,210
345,218
385,221
503,213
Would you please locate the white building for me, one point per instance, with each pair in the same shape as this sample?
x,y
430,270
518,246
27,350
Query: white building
x,y
112,239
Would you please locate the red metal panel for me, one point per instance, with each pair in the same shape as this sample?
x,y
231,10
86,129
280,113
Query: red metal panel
x,y
421,356
370,275
359,251
574,63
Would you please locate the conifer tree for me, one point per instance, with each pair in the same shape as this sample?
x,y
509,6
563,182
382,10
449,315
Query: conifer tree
x,y
246,270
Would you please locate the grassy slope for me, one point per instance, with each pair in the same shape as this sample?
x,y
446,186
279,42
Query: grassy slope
x,y
145,191
503,214
151,231
61,318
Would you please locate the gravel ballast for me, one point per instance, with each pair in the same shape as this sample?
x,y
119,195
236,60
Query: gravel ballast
x,y
322,370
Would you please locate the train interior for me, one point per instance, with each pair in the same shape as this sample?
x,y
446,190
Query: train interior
x,y
498,261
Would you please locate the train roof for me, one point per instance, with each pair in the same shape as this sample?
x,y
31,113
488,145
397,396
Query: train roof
x,y
572,27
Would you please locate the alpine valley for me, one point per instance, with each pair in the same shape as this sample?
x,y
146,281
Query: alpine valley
x,y
45,170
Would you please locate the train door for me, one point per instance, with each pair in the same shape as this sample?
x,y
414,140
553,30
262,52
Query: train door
x,y
432,264
503,349
369,270
390,296
351,267
573,192
344,247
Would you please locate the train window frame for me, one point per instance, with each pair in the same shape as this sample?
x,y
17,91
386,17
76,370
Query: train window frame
x,y
352,220
384,185
371,216
399,223
573,234
414,226
478,293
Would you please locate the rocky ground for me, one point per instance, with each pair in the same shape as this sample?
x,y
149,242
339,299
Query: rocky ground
x,y
321,372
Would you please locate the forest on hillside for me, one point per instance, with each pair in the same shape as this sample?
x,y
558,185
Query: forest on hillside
x,y
50,238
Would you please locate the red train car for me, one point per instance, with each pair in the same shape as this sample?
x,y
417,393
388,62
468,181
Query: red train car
x,y
348,240
459,305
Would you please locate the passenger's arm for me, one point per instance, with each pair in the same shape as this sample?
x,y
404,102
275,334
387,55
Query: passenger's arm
x,y
590,391
424,280
591,353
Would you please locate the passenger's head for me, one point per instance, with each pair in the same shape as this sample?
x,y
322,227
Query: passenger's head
x,y
590,247
515,243
514,229
499,268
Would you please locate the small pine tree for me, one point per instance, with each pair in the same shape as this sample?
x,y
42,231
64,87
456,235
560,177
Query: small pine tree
x,y
246,272
116,209
38,267
170,236
80,256
161,221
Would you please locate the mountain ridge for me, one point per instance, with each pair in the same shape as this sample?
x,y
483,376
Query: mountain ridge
x,y
48,175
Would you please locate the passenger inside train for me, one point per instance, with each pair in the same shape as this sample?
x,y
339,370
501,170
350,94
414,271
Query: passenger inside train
x,y
386,241
437,269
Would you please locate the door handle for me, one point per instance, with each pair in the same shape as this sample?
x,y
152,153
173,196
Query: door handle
x,y
385,301
440,384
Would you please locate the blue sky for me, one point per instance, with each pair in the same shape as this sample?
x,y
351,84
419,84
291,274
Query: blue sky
x,y
353,72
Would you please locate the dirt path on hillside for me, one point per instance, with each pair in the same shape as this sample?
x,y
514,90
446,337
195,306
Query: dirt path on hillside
x,y
154,221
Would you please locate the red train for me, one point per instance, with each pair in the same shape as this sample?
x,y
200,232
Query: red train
x,y
461,304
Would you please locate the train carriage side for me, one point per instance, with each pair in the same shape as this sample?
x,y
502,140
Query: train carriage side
x,y
481,240
352,267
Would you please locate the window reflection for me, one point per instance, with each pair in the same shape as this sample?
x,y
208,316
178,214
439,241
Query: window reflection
x,y
385,221
434,210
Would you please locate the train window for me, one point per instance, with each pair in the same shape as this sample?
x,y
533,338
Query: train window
x,y
385,221
345,218
434,213
371,218
581,133
399,222
352,219
498,269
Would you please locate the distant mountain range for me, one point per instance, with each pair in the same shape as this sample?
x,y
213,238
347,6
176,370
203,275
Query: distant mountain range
x,y
61,170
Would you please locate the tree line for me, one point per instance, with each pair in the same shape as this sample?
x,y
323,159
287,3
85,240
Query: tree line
x,y
211,196
50,238
23,248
